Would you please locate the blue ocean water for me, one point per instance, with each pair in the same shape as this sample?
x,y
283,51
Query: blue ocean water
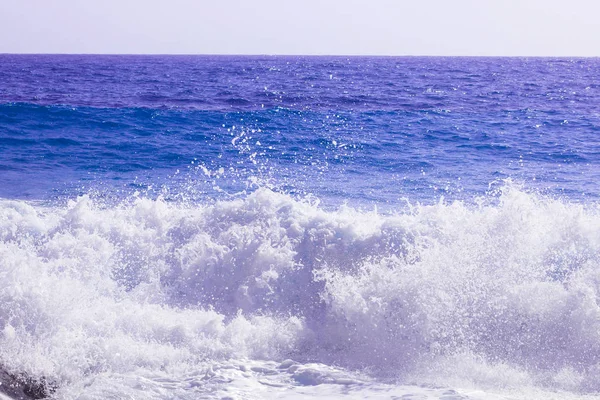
x,y
364,129
186,226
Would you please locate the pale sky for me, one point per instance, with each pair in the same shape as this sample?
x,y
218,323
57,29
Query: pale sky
x,y
334,27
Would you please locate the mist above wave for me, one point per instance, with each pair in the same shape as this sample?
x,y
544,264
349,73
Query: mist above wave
x,y
499,293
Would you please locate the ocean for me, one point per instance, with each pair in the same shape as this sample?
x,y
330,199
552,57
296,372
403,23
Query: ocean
x,y
261,227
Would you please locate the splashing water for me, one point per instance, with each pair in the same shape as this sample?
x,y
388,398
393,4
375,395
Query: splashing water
x,y
501,294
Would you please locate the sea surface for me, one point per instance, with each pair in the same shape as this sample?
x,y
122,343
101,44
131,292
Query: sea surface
x,y
227,227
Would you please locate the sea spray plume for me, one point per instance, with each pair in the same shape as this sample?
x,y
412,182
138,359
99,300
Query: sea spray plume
x,y
508,283
514,283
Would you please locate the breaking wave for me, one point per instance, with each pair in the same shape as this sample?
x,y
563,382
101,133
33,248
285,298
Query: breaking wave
x,y
499,292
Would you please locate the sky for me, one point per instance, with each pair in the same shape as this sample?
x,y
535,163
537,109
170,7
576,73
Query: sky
x,y
319,27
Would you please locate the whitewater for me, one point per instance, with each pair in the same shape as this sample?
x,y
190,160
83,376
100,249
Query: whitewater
x,y
267,296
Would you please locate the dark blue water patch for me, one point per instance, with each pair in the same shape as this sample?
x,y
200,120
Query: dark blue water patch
x,y
16,142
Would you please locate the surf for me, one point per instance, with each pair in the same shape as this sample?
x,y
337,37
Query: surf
x,y
495,293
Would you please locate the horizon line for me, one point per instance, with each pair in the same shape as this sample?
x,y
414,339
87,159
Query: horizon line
x,y
295,55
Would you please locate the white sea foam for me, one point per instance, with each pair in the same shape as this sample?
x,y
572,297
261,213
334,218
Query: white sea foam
x,y
173,300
